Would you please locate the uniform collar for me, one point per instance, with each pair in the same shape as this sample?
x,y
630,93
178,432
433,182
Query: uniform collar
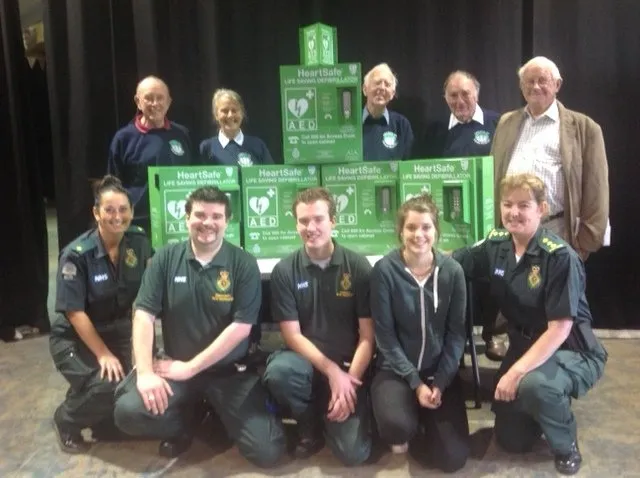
x,y
145,129
478,117
218,260
366,114
100,249
337,258
224,141
533,248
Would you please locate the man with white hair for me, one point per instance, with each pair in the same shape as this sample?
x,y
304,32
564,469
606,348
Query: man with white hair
x,y
386,135
562,147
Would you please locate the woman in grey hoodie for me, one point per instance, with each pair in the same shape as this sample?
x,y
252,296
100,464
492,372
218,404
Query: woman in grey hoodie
x,y
418,301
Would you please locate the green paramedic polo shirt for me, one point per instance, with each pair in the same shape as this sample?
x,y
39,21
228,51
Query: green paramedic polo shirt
x,y
196,303
327,302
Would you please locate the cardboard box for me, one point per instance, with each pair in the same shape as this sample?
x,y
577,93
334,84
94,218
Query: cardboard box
x,y
321,114
463,190
169,187
366,199
268,196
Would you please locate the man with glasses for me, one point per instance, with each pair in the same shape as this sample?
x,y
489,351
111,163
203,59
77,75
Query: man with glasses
x,y
562,147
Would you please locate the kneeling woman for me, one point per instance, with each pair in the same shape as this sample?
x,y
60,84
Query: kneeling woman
x,y
538,281
99,274
418,301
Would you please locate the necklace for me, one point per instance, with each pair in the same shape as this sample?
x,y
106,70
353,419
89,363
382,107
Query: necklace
x,y
417,272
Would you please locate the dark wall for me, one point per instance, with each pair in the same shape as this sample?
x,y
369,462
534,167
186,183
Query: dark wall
x,y
97,53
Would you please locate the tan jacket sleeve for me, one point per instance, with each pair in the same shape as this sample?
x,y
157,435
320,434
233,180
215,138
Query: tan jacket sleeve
x,y
594,210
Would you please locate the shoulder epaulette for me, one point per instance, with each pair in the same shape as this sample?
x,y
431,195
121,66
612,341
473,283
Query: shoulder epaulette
x,y
136,230
499,235
83,245
551,244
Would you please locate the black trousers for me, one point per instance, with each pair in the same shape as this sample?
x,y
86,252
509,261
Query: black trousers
x,y
89,401
445,443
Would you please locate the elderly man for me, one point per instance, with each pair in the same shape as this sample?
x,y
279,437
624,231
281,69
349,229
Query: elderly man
x,y
150,139
468,131
386,135
564,148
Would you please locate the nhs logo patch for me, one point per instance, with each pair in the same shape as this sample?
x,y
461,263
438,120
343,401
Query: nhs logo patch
x,y
498,272
303,285
180,279
100,278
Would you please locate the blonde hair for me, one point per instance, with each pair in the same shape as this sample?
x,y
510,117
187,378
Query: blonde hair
x,y
527,182
420,204
232,95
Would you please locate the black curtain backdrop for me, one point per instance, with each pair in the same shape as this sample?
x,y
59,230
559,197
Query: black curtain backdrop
x,y
597,48
97,51
24,262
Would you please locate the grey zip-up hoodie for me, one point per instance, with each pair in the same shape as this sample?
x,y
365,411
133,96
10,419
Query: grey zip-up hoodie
x,y
419,328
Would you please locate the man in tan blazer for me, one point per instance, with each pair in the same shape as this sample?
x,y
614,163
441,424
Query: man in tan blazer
x,y
565,149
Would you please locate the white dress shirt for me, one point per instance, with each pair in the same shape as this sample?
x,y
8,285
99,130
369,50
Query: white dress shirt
x,y
537,151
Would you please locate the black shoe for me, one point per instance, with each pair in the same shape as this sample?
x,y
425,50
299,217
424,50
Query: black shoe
x,y
310,440
70,442
175,447
569,463
307,446
495,350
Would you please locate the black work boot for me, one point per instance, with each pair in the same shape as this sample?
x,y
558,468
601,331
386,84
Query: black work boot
x,y
70,439
569,463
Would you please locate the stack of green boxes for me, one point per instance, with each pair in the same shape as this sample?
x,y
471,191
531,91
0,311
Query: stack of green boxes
x,y
322,144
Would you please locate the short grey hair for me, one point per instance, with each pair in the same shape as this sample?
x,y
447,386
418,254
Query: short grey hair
x,y
544,63
385,68
467,75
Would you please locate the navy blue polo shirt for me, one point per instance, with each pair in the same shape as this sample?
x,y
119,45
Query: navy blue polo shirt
x,y
136,147
252,152
327,303
387,138
472,138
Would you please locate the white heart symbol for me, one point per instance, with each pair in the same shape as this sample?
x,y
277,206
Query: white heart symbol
x,y
229,171
341,202
259,205
312,170
298,107
176,208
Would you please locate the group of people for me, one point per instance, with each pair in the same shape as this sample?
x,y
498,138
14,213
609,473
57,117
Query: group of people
x,y
370,351
563,147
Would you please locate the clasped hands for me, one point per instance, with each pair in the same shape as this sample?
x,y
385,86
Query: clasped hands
x,y
344,394
429,397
